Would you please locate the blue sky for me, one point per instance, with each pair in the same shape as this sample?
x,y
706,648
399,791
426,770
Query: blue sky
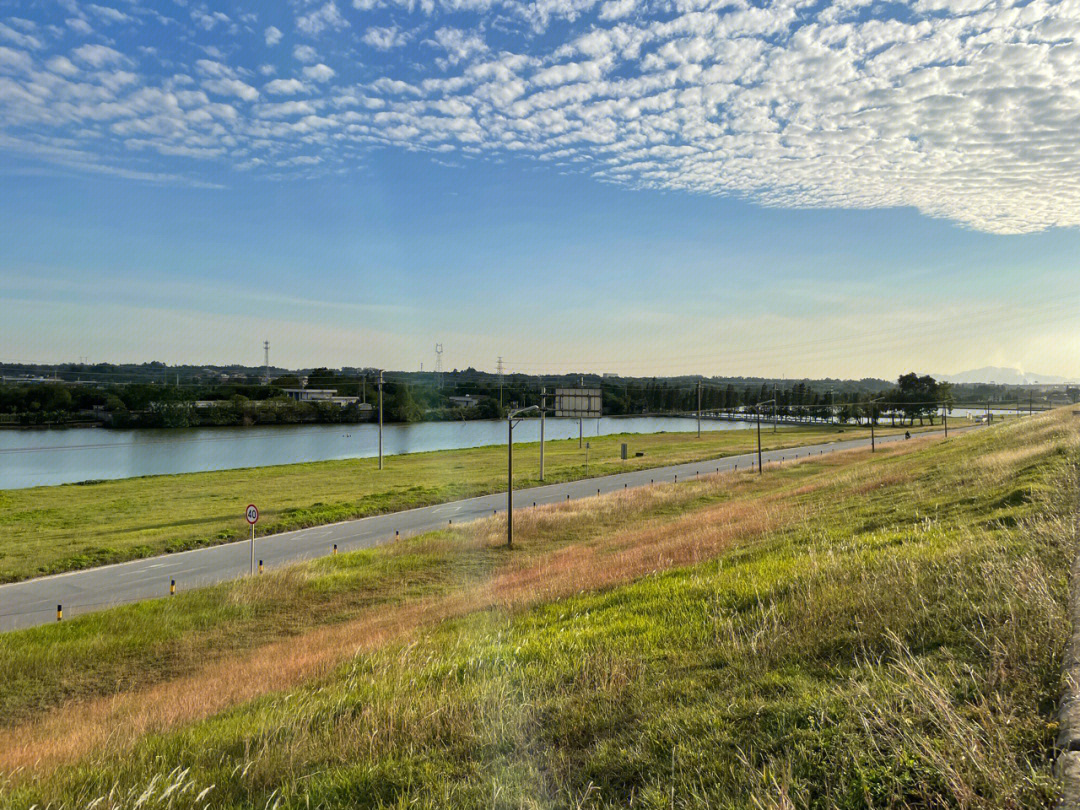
x,y
639,187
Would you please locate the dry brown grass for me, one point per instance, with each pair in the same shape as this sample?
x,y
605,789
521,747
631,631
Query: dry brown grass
x,y
599,559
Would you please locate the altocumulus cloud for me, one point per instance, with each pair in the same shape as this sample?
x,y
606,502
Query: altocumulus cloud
x,y
963,109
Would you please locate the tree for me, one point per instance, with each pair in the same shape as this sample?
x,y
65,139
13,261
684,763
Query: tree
x,y
917,396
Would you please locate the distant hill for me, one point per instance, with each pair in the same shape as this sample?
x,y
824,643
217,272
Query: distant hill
x,y
1001,376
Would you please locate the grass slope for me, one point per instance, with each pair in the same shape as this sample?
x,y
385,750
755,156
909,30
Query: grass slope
x,y
47,530
853,632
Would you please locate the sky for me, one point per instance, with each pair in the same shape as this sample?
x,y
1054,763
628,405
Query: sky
x,y
641,187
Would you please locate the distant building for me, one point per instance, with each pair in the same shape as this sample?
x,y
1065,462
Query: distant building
x,y
321,395
466,401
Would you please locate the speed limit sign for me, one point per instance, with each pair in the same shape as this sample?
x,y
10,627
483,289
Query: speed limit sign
x,y
252,514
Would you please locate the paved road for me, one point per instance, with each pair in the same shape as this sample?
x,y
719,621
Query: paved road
x,y
33,602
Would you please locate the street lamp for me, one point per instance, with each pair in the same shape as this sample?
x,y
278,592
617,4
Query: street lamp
x,y
510,422
873,411
757,412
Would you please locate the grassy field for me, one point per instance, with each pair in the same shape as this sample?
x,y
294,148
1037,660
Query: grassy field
x,y
848,631
51,529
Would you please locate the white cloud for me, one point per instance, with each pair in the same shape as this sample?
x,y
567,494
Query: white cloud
x,y
459,45
962,109
285,87
272,36
322,18
15,38
232,87
98,55
62,65
79,25
108,14
209,20
318,73
617,9
12,60
384,38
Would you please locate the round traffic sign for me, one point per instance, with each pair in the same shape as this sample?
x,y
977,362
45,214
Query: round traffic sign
x,y
252,514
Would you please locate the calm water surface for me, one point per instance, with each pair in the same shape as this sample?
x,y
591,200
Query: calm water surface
x,y
30,458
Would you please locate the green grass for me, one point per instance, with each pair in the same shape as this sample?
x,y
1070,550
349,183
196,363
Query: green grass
x,y
895,641
46,530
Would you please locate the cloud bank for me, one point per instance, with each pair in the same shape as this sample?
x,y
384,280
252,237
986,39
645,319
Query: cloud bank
x,y
966,110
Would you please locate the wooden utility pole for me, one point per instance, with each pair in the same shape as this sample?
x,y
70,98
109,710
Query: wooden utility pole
x,y
380,418
543,408
699,409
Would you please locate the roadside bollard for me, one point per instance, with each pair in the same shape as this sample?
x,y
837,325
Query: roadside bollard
x,y
335,549
260,566
676,478
395,534
567,496
598,490
59,612
534,504
172,587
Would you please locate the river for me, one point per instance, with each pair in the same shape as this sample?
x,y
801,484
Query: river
x,y
30,458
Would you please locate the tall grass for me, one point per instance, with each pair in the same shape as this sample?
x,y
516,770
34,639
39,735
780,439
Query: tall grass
x,y
46,530
889,635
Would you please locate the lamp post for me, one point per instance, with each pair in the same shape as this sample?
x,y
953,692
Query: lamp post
x,y
510,422
757,412
873,412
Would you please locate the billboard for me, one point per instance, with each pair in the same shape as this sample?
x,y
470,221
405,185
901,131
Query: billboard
x,y
577,402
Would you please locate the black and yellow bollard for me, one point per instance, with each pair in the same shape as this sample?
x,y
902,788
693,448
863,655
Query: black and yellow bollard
x,y
260,566
59,612
172,587
335,548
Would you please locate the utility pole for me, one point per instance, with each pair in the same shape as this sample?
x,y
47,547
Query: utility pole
x,y
543,409
266,362
873,419
438,363
945,418
757,414
1029,403
499,367
380,418
988,412
775,408
510,471
580,421
699,409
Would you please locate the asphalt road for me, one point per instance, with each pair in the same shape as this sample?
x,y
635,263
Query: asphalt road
x,y
33,602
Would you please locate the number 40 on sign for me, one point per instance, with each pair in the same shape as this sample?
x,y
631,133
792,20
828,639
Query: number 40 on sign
x,y
251,515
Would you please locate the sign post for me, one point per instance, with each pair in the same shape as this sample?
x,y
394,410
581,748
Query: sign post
x,y
251,515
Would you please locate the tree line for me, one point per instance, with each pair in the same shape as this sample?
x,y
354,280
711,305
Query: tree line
x,y
244,399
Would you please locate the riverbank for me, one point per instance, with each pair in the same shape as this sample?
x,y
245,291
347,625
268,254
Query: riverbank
x,y
849,630
47,530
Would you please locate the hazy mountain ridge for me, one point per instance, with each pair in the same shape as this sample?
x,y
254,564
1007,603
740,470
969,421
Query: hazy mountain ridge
x,y
1001,376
